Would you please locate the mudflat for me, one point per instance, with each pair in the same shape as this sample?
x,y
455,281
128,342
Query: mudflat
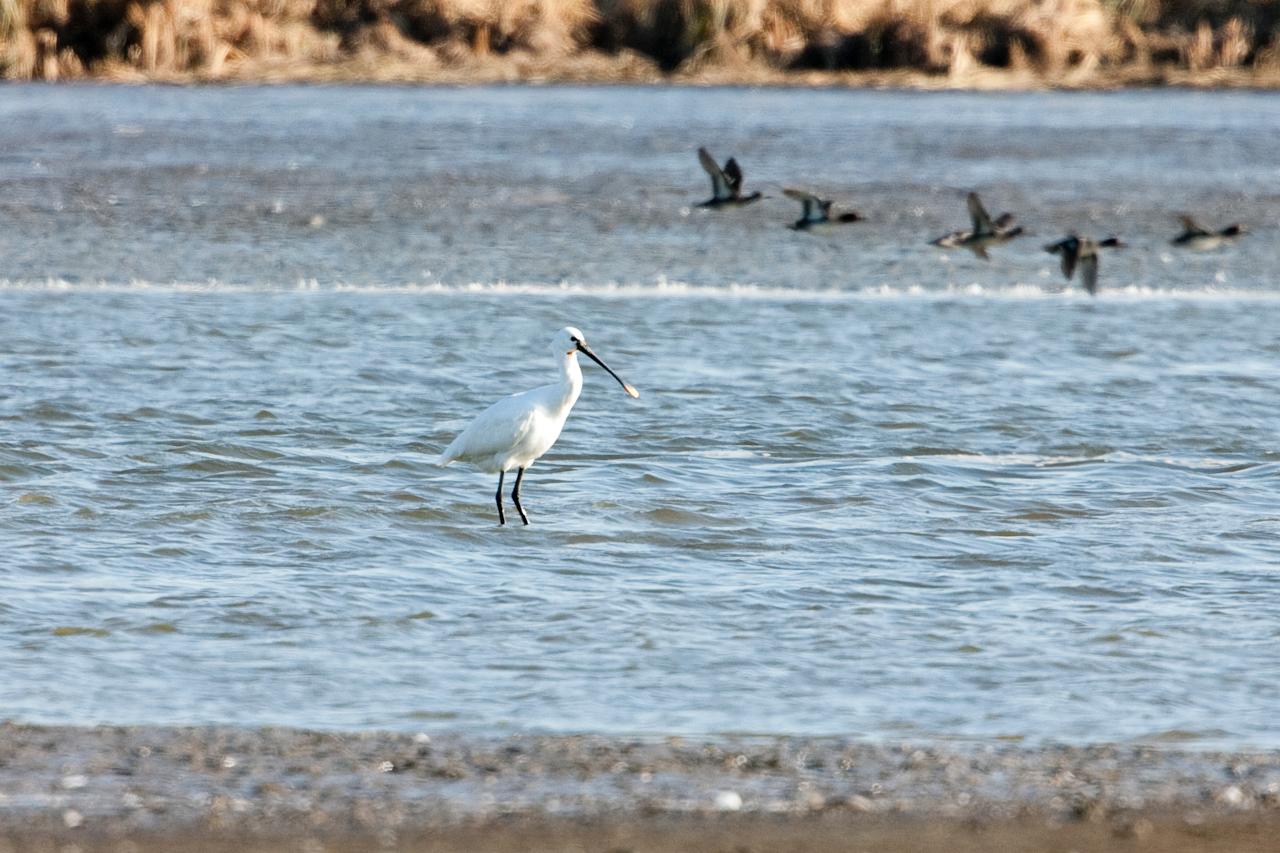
x,y
220,788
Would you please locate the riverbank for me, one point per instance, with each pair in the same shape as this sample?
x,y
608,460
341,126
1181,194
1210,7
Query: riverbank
x,y
997,44
715,834
218,788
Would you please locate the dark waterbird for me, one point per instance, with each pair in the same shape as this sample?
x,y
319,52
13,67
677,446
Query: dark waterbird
x,y
1083,252
816,212
983,234
726,183
1195,236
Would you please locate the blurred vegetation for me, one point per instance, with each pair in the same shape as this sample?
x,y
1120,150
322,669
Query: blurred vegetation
x,y
1035,41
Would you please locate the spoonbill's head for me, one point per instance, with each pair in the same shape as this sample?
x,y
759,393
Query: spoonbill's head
x,y
567,340
570,341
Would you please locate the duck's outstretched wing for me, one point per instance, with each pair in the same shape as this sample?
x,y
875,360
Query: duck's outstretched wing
x,y
1066,250
721,188
1068,262
981,219
813,206
1089,273
1191,227
733,172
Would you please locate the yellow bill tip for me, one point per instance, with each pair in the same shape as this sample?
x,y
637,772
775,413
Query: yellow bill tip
x,y
631,391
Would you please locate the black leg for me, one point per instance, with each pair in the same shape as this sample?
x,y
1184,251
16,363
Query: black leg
x,y
502,516
515,495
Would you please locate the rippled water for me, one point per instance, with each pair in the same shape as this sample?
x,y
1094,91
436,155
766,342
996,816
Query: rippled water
x,y
869,488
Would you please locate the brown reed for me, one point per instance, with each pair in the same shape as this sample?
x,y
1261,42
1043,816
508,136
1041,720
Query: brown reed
x,y
1044,42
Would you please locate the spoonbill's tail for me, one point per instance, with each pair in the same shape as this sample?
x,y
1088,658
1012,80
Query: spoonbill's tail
x,y
450,454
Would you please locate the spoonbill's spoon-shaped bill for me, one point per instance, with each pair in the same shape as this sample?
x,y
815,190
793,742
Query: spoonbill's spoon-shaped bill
x,y
517,430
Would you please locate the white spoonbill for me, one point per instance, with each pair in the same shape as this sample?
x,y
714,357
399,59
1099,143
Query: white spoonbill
x,y
517,430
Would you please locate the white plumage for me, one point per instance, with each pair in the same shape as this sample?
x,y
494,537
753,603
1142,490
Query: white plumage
x,y
517,430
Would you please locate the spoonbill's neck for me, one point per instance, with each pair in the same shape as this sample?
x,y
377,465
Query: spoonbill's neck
x,y
570,378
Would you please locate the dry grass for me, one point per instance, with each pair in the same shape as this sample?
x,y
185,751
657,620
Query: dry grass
x,y
950,42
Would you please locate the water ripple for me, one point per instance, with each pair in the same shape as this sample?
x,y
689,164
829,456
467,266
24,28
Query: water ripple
x,y
866,489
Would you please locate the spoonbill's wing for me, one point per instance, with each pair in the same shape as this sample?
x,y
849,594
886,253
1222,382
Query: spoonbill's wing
x,y
719,182
981,221
505,425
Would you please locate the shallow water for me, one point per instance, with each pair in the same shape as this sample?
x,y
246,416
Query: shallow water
x,y
870,488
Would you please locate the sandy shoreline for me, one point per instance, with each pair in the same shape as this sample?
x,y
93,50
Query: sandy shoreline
x,y
218,788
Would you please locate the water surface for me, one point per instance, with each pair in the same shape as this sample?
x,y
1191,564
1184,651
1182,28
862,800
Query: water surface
x,y
870,488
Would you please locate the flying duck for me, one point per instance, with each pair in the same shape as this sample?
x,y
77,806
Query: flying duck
x,y
1003,223
726,183
1197,237
984,233
816,211
1083,251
